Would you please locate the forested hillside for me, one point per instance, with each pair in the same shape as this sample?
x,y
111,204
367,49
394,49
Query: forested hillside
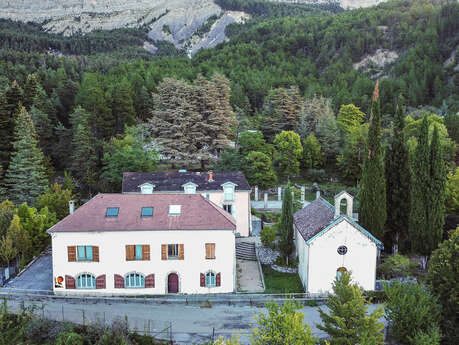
x,y
82,91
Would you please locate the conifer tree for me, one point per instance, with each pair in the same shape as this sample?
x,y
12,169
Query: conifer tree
x,y
14,97
398,183
30,91
26,175
436,194
420,180
372,189
84,157
347,321
6,134
286,245
122,106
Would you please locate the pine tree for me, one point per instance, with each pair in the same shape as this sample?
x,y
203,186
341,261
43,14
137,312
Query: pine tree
x,y
122,105
30,91
347,321
372,189
84,157
436,194
26,175
398,182
286,224
420,180
14,98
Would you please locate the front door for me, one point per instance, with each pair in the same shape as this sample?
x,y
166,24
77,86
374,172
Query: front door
x,y
172,283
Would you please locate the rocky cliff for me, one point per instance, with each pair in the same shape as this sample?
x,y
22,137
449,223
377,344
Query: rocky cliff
x,y
188,24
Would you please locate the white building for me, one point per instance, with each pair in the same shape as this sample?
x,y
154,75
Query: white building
x,y
122,244
227,189
329,243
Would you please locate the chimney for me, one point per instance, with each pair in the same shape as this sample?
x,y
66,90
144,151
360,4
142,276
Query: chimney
x,y
71,206
211,176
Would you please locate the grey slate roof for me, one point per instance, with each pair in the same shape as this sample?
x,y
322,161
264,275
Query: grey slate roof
x,y
313,218
173,181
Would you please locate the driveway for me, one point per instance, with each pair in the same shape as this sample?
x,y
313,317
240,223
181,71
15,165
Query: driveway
x,y
38,276
189,324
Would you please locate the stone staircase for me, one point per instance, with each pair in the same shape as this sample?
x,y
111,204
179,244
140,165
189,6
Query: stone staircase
x,y
246,251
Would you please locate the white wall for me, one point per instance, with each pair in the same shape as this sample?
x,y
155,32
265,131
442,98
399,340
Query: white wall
x,y
242,214
324,259
112,259
303,256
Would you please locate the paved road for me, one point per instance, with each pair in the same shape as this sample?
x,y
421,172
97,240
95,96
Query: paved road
x,y
190,324
39,276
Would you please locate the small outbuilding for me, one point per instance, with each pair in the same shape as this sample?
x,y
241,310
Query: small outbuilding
x,y
329,243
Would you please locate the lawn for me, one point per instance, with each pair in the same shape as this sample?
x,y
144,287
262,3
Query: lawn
x,y
277,282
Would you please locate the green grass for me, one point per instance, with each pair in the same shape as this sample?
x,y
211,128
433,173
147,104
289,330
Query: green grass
x,y
277,282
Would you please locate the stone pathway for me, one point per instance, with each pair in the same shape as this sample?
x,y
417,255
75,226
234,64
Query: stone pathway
x,y
248,276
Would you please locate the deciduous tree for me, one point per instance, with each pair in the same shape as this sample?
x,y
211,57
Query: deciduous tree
x,y
288,153
452,192
282,325
259,170
442,277
312,154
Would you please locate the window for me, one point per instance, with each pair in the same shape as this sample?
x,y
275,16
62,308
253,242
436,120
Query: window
x,y
134,280
147,212
175,210
211,279
86,281
210,250
137,252
342,250
146,188
227,208
112,212
172,250
228,193
84,253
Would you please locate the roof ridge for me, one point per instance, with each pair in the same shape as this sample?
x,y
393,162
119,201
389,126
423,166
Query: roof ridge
x,y
326,203
220,210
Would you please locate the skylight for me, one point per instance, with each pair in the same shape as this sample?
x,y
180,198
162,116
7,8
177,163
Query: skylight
x,y
175,210
147,211
112,211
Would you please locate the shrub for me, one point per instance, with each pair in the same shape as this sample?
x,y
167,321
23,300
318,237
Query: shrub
x,y
410,309
69,338
268,236
396,266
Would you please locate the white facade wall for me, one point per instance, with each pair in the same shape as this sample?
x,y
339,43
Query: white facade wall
x,y
112,259
240,205
324,259
303,257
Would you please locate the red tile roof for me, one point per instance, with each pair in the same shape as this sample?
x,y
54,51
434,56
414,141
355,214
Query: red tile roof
x,y
197,213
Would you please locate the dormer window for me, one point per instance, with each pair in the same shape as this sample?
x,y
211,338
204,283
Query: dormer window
x,y
228,191
112,212
147,212
175,210
189,188
146,188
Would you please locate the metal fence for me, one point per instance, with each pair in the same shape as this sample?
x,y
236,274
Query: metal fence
x,y
228,299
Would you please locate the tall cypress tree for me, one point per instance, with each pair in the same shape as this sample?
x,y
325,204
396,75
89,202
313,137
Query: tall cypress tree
x,y
420,182
398,183
26,175
436,194
286,224
372,190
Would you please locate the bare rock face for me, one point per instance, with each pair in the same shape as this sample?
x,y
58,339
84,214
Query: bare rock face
x,y
176,21
376,63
